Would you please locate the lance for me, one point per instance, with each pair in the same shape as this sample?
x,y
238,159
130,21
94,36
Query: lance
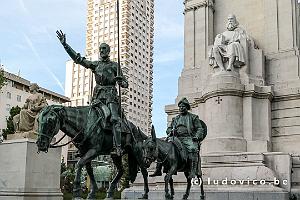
x,y
119,65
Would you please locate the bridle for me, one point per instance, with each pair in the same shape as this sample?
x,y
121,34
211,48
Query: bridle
x,y
54,145
152,157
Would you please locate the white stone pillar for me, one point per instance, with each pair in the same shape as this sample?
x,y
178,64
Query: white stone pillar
x,y
198,31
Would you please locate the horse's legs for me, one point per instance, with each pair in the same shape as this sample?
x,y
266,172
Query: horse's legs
x,y
146,187
117,160
93,185
188,187
172,187
88,157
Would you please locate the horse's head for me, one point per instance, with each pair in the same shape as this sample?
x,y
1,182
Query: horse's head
x,y
150,151
49,123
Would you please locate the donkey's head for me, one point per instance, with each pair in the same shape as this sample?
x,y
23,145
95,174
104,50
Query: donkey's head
x,y
150,151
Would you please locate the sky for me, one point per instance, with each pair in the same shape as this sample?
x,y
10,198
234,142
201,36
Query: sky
x,y
28,45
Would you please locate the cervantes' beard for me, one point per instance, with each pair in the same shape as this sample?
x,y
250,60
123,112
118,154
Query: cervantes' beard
x,y
231,26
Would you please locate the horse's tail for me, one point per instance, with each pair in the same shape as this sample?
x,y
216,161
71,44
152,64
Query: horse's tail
x,y
132,166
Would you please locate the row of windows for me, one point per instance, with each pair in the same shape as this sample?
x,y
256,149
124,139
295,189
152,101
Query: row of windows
x,y
9,96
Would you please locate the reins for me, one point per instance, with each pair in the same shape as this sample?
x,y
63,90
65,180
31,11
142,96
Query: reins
x,y
167,154
72,140
61,145
54,145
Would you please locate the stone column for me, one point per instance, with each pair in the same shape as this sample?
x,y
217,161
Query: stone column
x,y
198,31
198,35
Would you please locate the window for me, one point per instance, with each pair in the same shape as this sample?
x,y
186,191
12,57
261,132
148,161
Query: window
x,y
8,95
8,107
19,98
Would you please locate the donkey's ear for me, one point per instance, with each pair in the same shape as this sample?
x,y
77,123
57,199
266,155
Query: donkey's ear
x,y
153,134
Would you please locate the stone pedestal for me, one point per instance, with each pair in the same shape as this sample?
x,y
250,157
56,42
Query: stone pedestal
x,y
237,115
27,175
21,135
230,176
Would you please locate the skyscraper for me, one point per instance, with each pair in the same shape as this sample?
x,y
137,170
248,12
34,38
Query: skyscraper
x,y
136,26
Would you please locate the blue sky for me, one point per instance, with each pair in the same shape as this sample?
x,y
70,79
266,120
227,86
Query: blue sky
x,y
29,45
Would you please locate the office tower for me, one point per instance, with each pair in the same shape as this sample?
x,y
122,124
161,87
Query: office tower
x,y
136,55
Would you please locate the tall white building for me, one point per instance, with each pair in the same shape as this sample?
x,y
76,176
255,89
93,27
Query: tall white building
x,y
136,55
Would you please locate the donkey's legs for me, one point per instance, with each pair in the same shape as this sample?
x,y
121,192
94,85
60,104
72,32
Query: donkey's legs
x,y
167,181
117,160
201,186
88,157
146,187
188,187
93,185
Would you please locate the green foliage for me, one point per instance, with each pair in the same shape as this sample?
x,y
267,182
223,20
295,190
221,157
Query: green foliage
x,y
102,173
63,166
67,179
125,178
99,195
2,79
9,121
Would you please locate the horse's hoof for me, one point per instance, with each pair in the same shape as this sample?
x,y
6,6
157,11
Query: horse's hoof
x,y
202,197
185,196
144,196
168,196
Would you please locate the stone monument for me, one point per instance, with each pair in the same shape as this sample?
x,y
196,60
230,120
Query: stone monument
x,y
24,174
25,123
247,93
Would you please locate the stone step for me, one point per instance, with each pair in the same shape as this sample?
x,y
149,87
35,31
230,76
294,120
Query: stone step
x,y
211,195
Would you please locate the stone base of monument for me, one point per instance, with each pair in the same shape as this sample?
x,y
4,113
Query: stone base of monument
x,y
21,135
231,176
27,175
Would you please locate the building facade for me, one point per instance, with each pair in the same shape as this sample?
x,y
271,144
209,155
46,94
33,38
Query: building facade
x,y
136,55
15,93
252,111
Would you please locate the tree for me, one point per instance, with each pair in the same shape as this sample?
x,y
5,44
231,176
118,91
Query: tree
x,y
125,178
2,78
10,126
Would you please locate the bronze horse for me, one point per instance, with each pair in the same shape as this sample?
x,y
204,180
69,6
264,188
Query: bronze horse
x,y
168,155
72,121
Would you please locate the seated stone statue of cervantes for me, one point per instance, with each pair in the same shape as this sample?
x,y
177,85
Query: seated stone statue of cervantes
x,y
227,47
26,120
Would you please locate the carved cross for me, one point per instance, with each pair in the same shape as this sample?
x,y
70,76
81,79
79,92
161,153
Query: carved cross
x,y
219,100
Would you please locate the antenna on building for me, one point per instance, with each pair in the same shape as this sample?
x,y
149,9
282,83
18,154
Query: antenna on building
x,y
19,72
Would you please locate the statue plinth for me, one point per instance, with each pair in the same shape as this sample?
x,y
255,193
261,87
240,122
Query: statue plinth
x,y
22,135
25,174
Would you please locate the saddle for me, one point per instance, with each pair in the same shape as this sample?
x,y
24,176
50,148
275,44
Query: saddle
x,y
104,113
179,147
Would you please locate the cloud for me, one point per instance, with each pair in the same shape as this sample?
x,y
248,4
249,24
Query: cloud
x,y
30,44
23,7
